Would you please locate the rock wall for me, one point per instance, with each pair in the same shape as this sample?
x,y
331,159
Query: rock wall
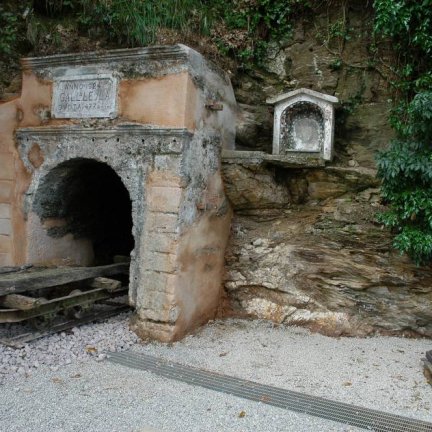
x,y
305,247
305,250
333,52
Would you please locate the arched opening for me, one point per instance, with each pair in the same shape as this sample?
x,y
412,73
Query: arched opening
x,y
86,199
302,128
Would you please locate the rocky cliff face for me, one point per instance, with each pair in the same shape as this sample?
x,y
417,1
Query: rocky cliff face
x,y
332,52
305,248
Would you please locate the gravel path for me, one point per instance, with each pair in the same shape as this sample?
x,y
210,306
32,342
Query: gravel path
x,y
384,373
79,344
61,383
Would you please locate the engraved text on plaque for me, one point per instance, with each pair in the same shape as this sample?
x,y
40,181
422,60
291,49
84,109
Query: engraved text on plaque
x,y
84,96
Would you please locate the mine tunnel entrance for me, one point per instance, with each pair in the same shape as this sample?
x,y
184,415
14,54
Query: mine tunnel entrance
x,y
86,199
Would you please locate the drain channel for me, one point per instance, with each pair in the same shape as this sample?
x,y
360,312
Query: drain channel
x,y
281,398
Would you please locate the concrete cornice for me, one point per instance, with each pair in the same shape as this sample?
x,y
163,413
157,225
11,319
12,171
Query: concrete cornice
x,y
285,96
127,129
156,53
251,158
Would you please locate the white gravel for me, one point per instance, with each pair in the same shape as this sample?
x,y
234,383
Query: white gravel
x,y
384,373
61,383
78,344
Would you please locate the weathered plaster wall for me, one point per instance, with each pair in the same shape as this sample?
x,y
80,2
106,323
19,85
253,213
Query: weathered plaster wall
x,y
7,176
174,93
166,101
164,142
13,180
43,249
185,238
29,110
34,105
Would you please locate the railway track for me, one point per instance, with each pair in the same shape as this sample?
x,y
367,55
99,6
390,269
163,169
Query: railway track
x,y
20,340
52,300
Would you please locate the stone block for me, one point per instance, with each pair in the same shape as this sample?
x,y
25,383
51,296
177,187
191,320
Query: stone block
x,y
161,262
5,191
162,282
158,306
5,244
253,188
7,171
162,242
5,211
5,259
157,300
164,199
163,222
5,227
160,315
163,332
165,178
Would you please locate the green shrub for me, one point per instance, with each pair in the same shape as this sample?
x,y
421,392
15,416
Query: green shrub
x,y
254,23
408,23
406,171
406,166
9,31
136,22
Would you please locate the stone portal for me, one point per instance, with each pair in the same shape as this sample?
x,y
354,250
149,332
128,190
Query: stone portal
x,y
118,153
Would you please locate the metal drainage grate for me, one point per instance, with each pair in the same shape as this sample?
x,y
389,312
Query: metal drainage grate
x,y
291,400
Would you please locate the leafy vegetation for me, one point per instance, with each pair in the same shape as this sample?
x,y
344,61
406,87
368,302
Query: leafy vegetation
x,y
406,166
136,22
246,26
11,26
408,23
240,28
8,31
406,170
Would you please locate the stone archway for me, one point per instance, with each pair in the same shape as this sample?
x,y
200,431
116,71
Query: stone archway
x,y
180,215
160,126
86,213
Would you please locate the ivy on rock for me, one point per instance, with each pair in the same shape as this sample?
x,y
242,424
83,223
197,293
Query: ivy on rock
x,y
406,166
406,170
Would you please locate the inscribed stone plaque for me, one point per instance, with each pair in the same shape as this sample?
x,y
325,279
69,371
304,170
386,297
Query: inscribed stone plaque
x,y
85,96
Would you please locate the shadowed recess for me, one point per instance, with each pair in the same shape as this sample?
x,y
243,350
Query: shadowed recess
x,y
90,200
302,128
